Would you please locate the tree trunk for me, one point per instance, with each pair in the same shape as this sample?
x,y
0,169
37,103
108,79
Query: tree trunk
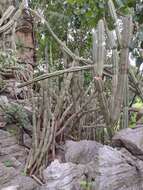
x,y
20,35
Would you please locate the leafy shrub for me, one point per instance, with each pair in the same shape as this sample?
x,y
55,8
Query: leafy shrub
x,y
7,58
15,113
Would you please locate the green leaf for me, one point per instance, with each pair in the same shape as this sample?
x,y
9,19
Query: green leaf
x,y
8,163
71,1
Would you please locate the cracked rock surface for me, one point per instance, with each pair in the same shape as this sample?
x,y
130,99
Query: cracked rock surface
x,y
12,161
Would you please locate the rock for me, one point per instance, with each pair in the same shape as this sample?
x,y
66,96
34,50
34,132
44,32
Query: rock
x,y
20,92
12,162
81,152
2,121
23,183
139,117
4,100
12,91
7,173
63,176
131,139
11,188
2,125
10,149
113,170
27,140
107,168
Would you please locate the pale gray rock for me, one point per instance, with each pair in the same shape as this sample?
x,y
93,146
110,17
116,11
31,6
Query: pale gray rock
x,y
63,176
106,168
11,188
12,162
81,152
131,139
4,100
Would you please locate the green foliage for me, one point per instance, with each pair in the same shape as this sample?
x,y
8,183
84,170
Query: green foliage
x,y
23,173
73,20
87,78
12,131
2,84
8,163
86,185
132,122
15,114
87,13
7,58
138,104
